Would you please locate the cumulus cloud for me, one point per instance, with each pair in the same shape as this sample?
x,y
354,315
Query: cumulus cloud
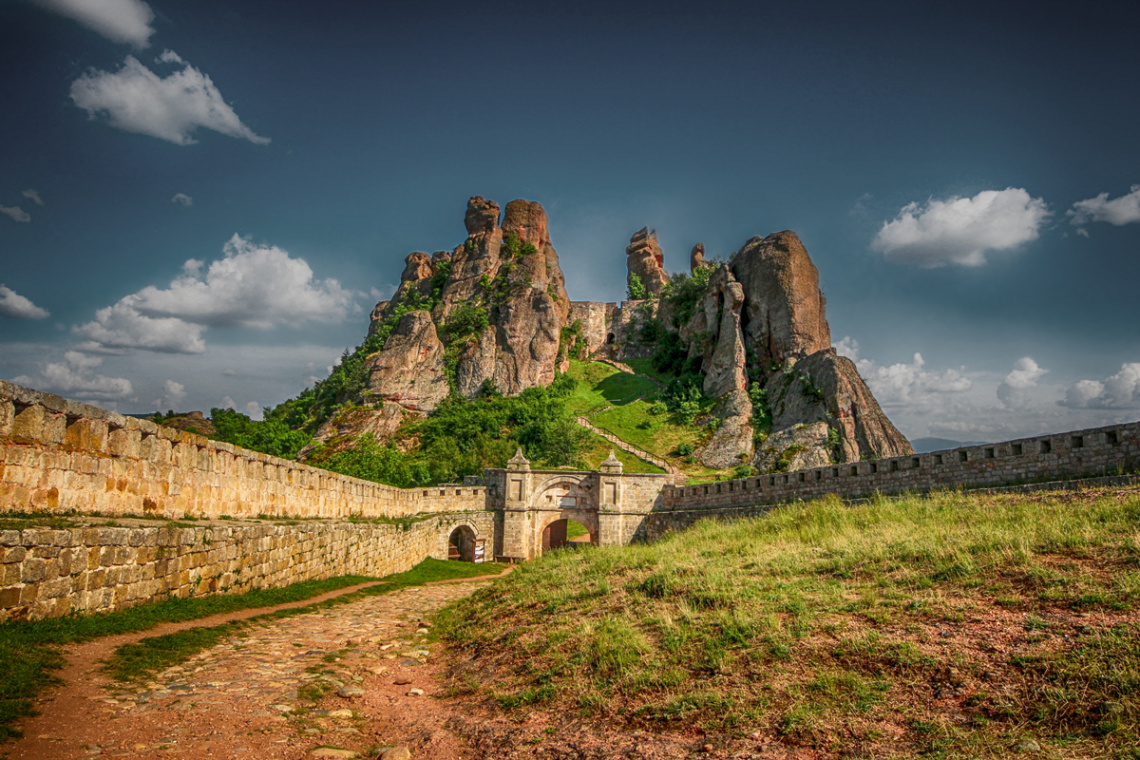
x,y
901,383
182,199
16,213
12,304
74,376
124,21
1120,391
962,230
848,347
174,394
135,99
253,411
1013,391
33,196
1118,211
253,285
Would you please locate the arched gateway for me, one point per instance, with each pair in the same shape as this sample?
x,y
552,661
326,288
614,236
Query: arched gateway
x,y
537,504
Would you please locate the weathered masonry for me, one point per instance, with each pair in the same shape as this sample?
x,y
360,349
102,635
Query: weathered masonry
x,y
62,456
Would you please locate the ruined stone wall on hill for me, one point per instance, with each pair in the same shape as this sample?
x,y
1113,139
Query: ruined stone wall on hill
x,y
48,572
58,455
1094,452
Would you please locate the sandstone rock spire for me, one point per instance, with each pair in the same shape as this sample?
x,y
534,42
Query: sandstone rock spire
x,y
646,261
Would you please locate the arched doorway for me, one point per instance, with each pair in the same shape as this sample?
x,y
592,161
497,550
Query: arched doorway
x,y
461,544
564,533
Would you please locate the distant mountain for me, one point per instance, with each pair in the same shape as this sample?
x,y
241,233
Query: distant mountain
x,y
923,445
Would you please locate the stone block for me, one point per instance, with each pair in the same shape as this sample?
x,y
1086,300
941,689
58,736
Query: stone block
x,y
13,554
9,597
86,434
7,413
33,570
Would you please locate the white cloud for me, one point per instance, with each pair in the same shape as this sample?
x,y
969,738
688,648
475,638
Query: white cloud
x,y
122,326
900,383
1118,211
962,230
12,304
848,347
254,285
16,213
228,403
253,411
125,21
1013,392
182,199
135,99
1120,391
33,196
173,395
73,377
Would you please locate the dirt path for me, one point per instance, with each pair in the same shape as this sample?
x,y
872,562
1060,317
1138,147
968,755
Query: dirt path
x,y
256,694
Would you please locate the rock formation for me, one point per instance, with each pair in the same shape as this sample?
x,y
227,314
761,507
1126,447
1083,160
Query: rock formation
x,y
696,257
497,307
762,317
493,311
646,262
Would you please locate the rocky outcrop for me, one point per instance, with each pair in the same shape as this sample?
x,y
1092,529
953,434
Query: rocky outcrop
x,y
696,257
341,431
493,311
409,371
194,422
497,305
785,306
762,317
645,260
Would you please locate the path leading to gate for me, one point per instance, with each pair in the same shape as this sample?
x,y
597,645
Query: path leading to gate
x,y
343,681
629,448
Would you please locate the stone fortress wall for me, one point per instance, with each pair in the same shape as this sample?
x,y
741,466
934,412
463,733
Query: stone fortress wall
x,y
1095,452
60,456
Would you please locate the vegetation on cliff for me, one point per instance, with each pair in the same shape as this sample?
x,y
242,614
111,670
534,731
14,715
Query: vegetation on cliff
x,y
464,436
952,626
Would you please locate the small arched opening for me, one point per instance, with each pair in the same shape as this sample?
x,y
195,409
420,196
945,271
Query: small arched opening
x,y
461,544
565,533
610,339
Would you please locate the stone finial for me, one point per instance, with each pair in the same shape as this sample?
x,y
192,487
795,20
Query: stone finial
x,y
612,464
518,461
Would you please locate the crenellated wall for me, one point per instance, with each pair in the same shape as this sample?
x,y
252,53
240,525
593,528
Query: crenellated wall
x,y
60,455
1094,452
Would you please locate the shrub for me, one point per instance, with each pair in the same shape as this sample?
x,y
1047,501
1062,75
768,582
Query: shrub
x,y
636,290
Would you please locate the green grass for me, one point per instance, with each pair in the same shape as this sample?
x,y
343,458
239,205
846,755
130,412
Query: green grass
x,y
959,623
30,651
630,398
599,450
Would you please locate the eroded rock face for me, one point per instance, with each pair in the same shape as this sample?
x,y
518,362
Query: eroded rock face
x,y
797,447
724,367
409,369
696,257
731,443
509,274
864,430
645,260
785,308
340,432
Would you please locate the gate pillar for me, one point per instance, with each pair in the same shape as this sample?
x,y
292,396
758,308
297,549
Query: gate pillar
x,y
518,519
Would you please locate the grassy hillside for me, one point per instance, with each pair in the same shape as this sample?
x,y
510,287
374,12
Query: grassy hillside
x,y
954,626
630,407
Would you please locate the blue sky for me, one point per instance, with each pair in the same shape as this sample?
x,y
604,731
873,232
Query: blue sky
x,y
201,202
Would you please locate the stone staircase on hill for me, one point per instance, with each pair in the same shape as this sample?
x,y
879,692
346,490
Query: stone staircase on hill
x,y
629,448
